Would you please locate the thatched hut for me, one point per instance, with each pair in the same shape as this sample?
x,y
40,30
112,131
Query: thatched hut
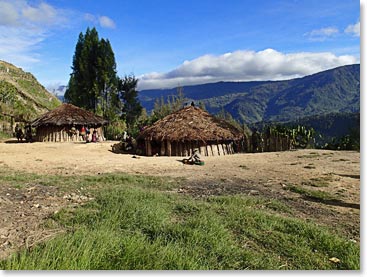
x,y
179,133
65,122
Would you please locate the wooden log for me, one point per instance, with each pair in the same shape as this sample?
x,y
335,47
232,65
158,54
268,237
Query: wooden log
x,y
202,150
190,149
163,148
185,149
180,152
224,149
220,149
169,149
209,150
173,148
148,147
214,150
229,148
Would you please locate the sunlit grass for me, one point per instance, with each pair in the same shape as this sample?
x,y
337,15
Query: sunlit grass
x,y
137,222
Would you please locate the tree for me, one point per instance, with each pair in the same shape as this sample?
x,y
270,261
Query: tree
x,y
132,108
93,81
178,101
109,102
226,116
174,103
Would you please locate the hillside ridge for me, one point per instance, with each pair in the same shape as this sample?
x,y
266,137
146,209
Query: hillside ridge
x,y
21,95
334,90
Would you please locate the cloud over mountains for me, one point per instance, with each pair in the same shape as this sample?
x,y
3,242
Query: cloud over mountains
x,y
245,65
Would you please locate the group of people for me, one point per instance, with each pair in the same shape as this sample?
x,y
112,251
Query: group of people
x,y
20,135
85,133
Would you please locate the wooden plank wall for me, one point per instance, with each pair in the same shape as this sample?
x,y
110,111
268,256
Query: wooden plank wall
x,y
62,134
185,149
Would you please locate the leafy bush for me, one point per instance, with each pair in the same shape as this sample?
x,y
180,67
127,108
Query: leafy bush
x,y
114,130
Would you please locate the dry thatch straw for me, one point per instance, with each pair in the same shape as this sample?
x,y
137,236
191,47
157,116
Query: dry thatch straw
x,y
68,114
191,124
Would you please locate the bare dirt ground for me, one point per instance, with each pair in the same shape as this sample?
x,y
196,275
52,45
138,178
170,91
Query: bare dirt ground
x,y
22,210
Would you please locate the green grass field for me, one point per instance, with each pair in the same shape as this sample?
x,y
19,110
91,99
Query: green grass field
x,y
137,222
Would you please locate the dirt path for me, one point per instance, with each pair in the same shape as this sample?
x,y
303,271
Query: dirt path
x,y
266,174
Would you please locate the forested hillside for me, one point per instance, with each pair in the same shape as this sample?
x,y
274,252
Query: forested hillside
x,y
332,91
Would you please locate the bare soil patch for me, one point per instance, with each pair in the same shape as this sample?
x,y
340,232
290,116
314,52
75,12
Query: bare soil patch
x,y
270,175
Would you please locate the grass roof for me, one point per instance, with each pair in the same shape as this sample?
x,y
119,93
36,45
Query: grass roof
x,y
68,114
191,124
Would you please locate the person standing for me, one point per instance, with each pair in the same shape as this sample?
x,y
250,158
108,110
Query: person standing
x,y
94,136
83,132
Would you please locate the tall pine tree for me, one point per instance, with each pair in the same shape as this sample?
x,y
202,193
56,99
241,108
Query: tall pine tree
x,y
132,108
108,100
93,81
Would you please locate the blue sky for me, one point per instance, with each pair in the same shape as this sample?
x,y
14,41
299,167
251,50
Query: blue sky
x,y
170,43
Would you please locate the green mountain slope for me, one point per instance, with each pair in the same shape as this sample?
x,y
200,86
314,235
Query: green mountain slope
x,y
333,91
21,95
336,90
332,125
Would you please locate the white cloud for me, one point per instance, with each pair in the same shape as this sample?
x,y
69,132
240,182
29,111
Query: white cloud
x,y
106,22
8,14
90,17
103,21
322,34
354,29
245,65
43,13
23,26
20,13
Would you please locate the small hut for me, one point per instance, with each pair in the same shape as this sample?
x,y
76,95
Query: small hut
x,y
179,133
64,124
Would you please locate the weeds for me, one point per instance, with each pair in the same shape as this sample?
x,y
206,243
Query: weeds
x,y
317,182
314,194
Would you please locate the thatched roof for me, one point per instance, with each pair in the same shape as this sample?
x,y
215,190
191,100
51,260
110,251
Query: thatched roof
x,y
191,124
68,114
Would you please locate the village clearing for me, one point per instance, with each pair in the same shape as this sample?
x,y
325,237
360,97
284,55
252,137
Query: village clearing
x,y
321,186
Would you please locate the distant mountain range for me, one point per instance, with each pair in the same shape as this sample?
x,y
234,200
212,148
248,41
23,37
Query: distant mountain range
x,y
333,91
59,92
